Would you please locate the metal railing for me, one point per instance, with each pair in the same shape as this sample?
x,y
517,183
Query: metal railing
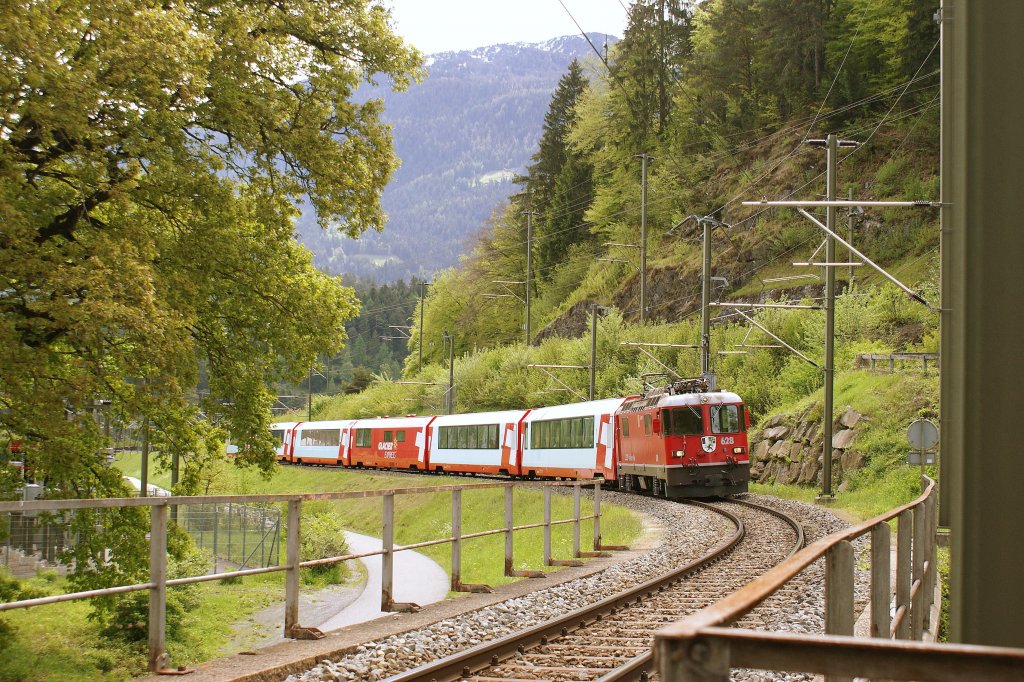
x,y
869,360
158,581
701,647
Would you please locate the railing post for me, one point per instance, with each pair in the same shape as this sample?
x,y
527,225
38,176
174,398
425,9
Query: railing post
x,y
839,594
903,573
509,559
576,521
387,560
547,525
597,516
933,558
158,593
456,540
917,609
881,585
291,576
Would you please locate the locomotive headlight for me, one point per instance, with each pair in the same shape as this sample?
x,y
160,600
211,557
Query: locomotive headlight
x,y
678,454
737,451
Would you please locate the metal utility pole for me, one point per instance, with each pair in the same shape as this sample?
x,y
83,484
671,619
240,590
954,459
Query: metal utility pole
x,y
529,270
705,303
144,473
449,402
830,320
643,236
309,396
593,347
849,238
950,246
423,303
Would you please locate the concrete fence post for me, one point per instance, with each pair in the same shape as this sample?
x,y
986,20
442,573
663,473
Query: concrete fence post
x,y
920,550
839,617
903,569
881,585
158,593
456,540
576,521
547,525
509,558
291,577
388,558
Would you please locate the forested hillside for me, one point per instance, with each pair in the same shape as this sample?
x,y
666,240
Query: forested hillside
x,y
723,98
462,134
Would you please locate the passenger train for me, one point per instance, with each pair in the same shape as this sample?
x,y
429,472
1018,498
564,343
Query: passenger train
x,y
680,440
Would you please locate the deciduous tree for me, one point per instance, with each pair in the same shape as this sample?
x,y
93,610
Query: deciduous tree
x,y
152,157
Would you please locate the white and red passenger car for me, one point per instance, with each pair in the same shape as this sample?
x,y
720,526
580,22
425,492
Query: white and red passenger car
x,y
676,441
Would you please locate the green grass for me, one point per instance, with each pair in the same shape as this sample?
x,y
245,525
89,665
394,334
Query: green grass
x,y
59,641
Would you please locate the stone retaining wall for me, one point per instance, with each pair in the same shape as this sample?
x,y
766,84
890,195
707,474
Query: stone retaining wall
x,y
789,447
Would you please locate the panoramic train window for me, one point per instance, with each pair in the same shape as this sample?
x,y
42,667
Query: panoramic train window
x,y
684,421
278,436
468,437
725,419
325,437
362,438
576,432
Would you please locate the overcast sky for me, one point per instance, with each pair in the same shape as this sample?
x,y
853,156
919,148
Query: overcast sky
x,y
441,25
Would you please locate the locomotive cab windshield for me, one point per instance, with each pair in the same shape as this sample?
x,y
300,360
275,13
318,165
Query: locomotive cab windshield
x,y
683,421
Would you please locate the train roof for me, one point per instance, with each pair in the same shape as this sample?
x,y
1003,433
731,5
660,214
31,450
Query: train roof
x,y
591,407
332,424
391,422
480,417
283,426
708,398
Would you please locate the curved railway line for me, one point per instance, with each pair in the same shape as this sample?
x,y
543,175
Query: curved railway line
x,y
610,640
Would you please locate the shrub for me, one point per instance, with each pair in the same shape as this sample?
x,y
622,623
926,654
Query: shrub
x,y
323,536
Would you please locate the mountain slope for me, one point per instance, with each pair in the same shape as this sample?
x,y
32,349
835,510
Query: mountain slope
x,y
462,135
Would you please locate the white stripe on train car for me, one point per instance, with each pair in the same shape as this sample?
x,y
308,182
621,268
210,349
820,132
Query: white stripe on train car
x,y
605,439
421,444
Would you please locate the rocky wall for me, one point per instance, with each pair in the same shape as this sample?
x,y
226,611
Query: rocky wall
x,y
789,448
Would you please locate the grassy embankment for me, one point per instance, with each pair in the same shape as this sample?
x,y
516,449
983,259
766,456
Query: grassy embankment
x,y
60,642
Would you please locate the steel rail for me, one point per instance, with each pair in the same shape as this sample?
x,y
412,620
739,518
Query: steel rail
x,y
733,607
462,664
644,663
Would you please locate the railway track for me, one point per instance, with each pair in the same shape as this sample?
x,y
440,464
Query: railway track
x,y
610,640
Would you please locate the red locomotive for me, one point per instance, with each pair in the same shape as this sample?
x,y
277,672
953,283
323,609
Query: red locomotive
x,y
681,440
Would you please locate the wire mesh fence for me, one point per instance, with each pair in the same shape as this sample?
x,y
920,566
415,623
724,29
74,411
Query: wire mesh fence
x,y
33,542
239,536
236,536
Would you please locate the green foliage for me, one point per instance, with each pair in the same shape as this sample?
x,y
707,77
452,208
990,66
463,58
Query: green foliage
x,y
152,159
322,536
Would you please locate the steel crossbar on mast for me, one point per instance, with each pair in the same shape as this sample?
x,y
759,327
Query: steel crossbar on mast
x,y
766,305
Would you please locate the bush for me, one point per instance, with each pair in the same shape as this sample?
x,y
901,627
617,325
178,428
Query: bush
x,y
323,536
128,618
